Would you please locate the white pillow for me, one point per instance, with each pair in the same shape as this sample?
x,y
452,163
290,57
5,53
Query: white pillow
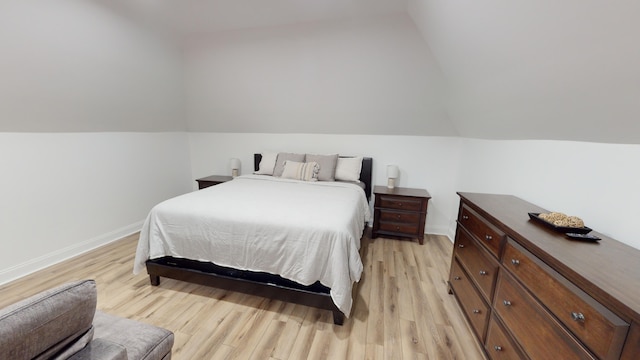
x,y
307,171
348,169
267,163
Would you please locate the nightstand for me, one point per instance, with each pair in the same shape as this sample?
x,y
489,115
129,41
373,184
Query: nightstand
x,y
400,212
205,182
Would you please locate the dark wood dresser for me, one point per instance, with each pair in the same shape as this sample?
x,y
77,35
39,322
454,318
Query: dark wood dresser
x,y
531,293
400,212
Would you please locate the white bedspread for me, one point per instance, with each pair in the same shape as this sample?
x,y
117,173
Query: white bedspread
x,y
302,231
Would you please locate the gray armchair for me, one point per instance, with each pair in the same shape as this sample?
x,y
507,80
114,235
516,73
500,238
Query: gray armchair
x,y
62,323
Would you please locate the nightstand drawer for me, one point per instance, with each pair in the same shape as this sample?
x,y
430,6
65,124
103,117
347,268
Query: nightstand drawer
x,y
399,217
400,203
409,229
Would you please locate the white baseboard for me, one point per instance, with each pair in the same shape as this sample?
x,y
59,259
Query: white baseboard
x,y
33,265
440,230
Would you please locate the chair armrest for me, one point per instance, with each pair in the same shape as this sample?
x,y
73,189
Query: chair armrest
x,y
101,349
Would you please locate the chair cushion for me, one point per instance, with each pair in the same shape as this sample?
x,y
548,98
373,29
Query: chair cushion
x,y
101,349
47,323
142,341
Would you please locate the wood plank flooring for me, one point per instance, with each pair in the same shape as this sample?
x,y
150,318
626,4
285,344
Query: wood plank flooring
x,y
401,309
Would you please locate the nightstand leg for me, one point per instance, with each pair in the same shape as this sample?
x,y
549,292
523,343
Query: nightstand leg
x,y
421,239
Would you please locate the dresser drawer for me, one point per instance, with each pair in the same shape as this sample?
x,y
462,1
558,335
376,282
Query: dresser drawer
x,y
499,345
632,347
596,326
400,216
480,266
490,236
539,334
476,310
400,203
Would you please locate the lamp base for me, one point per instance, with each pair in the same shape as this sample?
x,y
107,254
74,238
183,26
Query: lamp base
x,y
234,172
391,183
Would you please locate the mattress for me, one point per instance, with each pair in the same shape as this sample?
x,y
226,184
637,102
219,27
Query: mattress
x,y
302,231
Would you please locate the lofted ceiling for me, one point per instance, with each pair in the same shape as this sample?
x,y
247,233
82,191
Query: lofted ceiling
x,y
188,17
547,69
538,69
559,70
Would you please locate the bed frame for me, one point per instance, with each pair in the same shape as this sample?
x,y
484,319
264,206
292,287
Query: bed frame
x,y
250,282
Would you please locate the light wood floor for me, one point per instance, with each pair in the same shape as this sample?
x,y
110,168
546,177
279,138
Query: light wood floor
x,y
401,311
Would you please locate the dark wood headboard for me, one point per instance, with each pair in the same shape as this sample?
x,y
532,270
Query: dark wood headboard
x,y
365,173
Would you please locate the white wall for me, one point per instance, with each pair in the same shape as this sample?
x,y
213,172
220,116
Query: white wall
x,y
424,162
341,77
63,194
597,182
70,69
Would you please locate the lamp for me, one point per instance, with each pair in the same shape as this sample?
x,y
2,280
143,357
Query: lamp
x,y
392,174
235,166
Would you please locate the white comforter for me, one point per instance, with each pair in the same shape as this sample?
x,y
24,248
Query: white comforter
x,y
302,231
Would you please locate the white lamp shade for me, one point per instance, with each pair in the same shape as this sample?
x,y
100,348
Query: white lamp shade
x,y
235,164
392,171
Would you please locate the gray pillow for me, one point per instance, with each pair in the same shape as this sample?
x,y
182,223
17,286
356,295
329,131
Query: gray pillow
x,y
327,165
282,157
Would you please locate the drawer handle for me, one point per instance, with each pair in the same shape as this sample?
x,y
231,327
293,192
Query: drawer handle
x,y
461,246
399,204
398,228
465,217
476,311
497,348
483,273
456,278
577,316
398,216
488,237
506,302
515,262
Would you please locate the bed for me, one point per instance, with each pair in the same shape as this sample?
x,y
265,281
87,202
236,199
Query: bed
x,y
242,236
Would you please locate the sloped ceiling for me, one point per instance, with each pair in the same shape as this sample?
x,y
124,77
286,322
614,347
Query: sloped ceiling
x,y
565,70
370,76
77,66
538,69
189,17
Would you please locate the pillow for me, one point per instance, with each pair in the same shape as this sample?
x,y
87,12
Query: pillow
x,y
327,165
307,171
349,168
282,157
267,163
